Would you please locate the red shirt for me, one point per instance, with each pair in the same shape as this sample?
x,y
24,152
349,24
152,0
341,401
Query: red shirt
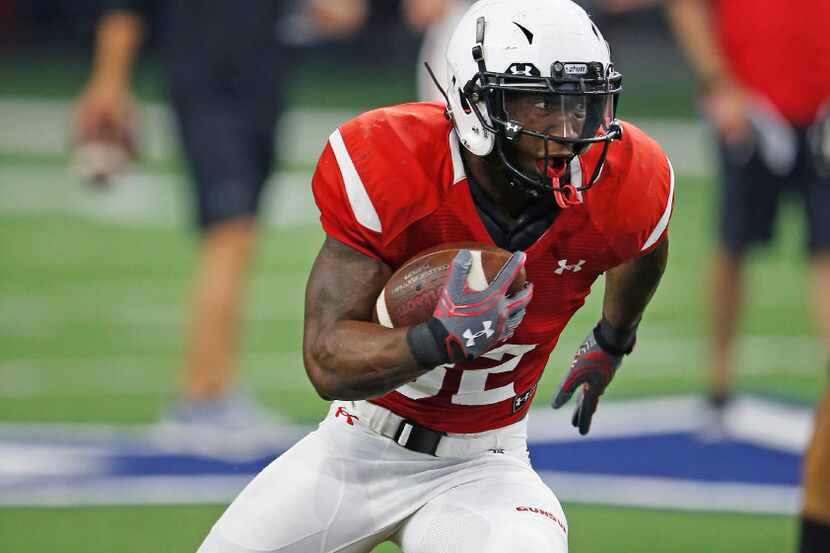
x,y
391,184
780,49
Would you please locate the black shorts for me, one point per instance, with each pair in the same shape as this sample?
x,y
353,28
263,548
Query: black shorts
x,y
227,133
751,194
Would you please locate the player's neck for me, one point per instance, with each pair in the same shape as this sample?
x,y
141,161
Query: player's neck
x,y
495,184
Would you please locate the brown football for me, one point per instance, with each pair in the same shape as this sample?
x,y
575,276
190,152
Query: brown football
x,y
411,293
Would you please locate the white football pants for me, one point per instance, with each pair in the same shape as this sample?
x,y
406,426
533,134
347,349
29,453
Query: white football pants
x,y
345,488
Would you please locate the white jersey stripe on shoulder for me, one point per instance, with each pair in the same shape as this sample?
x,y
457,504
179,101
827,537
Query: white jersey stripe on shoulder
x,y
664,219
458,172
359,199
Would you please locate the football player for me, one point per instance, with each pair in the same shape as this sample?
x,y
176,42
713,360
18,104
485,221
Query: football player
x,y
425,442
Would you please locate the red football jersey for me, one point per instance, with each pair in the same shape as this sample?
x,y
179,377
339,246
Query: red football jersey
x,y
780,50
390,183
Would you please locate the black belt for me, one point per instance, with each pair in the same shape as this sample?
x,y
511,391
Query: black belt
x,y
418,438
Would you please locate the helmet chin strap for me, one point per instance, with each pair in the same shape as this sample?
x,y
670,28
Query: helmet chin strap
x,y
566,195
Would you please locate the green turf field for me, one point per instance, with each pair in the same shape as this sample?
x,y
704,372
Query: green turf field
x,y
592,529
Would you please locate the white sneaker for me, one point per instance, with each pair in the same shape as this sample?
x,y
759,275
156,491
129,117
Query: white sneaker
x,y
231,426
713,425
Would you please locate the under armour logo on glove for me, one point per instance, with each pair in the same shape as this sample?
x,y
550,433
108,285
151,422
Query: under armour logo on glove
x,y
592,369
448,336
471,338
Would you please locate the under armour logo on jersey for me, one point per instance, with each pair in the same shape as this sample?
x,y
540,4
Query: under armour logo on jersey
x,y
349,417
520,400
563,266
471,338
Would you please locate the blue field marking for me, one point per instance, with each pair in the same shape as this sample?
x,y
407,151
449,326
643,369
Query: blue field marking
x,y
676,455
648,452
185,465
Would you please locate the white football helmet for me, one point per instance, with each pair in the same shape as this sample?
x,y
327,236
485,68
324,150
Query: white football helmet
x,y
546,48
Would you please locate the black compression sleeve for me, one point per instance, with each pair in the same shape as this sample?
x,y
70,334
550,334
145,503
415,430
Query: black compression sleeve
x,y
427,341
614,340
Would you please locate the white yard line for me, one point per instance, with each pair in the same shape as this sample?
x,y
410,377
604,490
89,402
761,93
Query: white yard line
x,y
129,375
655,493
30,377
139,198
773,424
143,490
665,493
40,127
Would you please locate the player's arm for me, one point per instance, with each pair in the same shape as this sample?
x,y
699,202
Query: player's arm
x,y
118,39
691,22
723,101
105,108
628,289
346,355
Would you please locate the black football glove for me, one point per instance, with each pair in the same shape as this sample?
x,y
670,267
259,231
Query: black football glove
x,y
594,365
466,323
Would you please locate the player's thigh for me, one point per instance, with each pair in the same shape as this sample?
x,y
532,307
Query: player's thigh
x,y
216,542
506,509
816,193
304,501
228,156
749,197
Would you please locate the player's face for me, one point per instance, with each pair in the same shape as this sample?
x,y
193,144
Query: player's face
x,y
558,115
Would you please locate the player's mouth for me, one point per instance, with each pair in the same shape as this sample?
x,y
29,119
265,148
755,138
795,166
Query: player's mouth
x,y
555,167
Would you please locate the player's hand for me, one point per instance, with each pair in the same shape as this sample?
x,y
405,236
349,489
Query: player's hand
x,y
337,18
592,369
467,323
420,14
475,321
726,107
104,112
103,131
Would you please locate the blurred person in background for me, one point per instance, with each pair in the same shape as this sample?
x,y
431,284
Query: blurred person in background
x,y
763,68
224,71
436,19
